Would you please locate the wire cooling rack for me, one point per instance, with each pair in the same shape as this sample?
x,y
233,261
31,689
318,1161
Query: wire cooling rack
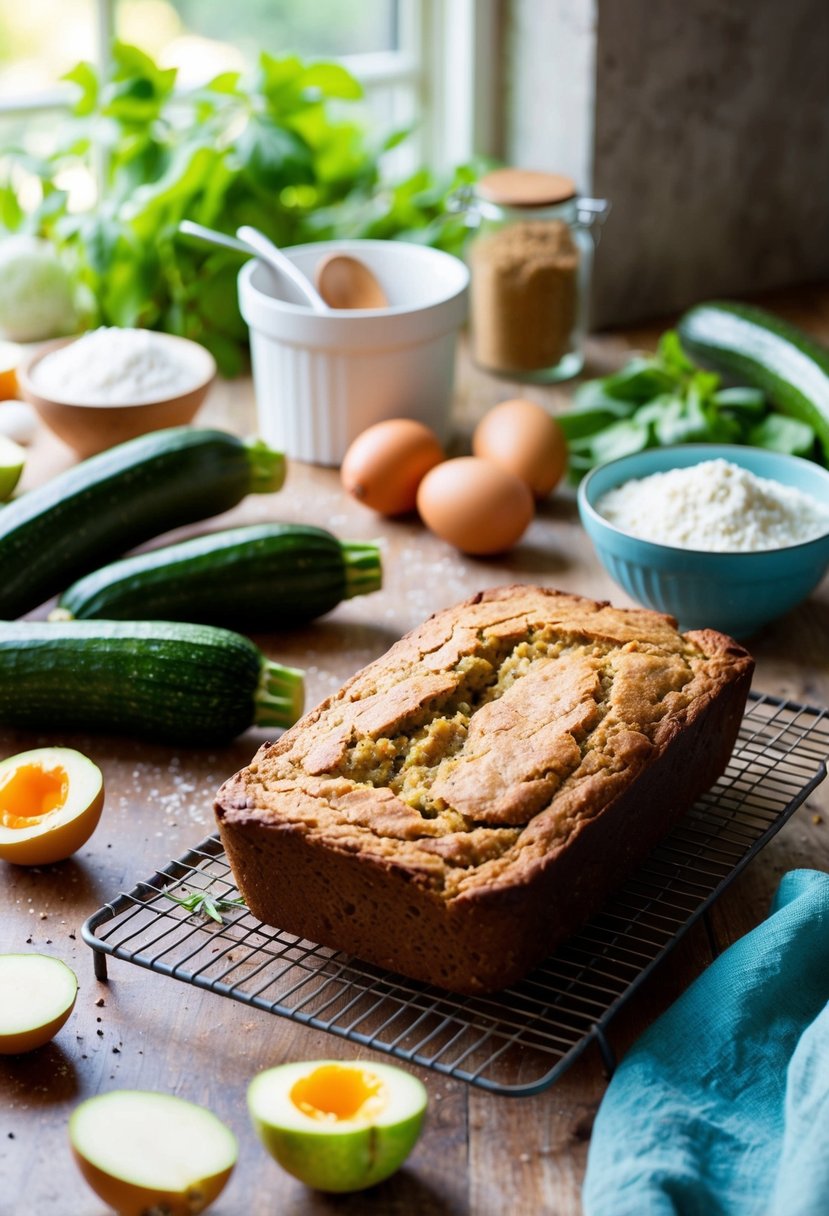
x,y
520,1040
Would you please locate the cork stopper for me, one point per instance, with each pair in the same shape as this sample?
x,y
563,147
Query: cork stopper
x,y
525,188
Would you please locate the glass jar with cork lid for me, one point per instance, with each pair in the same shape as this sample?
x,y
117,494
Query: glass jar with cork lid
x,y
530,258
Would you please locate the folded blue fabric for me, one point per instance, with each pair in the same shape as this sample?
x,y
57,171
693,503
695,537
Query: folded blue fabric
x,y
722,1107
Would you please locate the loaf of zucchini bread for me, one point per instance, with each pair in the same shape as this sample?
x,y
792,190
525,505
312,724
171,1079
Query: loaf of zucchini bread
x,y
468,800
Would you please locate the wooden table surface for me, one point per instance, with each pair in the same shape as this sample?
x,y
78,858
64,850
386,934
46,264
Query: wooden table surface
x,y
480,1154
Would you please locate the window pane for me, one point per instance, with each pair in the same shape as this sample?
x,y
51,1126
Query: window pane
x,y
202,37
40,40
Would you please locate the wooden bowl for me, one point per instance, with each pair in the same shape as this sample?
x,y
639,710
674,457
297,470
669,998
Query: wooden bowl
x,y
93,428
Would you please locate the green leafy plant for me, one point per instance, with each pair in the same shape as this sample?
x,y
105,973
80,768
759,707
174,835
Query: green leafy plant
x,y
664,399
274,151
202,903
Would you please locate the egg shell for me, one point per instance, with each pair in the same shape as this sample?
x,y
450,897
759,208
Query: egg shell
x,y
475,505
385,464
523,438
18,421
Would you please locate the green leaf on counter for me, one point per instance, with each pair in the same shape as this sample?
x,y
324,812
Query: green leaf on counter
x,y
665,399
782,434
672,357
619,439
641,380
584,423
745,400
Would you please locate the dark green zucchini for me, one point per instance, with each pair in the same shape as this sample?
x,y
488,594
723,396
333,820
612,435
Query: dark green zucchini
x,y
108,504
753,347
268,576
160,680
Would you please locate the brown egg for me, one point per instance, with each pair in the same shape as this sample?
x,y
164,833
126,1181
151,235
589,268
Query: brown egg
x,y
522,437
477,506
385,464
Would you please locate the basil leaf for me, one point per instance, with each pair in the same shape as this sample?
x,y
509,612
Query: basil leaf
x,y
639,381
746,400
272,156
672,357
577,424
779,433
621,439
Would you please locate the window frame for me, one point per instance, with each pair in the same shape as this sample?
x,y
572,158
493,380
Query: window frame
x,y
446,61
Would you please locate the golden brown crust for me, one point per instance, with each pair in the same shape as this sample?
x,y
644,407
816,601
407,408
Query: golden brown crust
x,y
472,796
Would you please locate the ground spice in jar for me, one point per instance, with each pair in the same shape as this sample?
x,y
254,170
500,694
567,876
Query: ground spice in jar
x,y
524,295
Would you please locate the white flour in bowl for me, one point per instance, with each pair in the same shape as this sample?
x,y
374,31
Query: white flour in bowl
x,y
114,367
715,506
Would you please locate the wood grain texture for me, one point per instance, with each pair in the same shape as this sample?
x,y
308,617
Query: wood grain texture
x,y
481,1154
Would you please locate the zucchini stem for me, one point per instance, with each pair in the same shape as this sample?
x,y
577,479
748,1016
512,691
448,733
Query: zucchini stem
x,y
280,696
363,567
267,467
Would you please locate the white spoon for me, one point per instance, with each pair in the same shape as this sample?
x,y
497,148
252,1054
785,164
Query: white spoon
x,y
268,253
250,240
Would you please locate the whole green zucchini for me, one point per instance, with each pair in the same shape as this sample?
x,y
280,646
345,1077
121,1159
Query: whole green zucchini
x,y
161,680
267,576
108,504
754,347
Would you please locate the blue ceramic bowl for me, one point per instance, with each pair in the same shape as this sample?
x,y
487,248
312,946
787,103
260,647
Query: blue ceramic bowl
x,y
736,593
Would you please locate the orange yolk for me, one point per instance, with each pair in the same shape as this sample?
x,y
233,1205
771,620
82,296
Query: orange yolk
x,y
30,794
335,1092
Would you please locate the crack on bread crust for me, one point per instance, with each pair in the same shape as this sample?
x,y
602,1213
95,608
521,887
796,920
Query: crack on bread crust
x,y
534,724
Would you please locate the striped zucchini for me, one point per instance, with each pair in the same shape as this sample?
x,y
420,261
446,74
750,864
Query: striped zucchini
x,y
161,680
754,347
268,576
108,504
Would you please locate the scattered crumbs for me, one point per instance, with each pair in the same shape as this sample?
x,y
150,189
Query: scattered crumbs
x,y
48,941
44,915
84,1056
525,1157
817,819
100,1003
99,1019
72,937
11,1135
99,1033
29,940
116,1051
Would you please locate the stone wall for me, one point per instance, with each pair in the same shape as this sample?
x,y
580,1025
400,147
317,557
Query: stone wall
x,y
706,122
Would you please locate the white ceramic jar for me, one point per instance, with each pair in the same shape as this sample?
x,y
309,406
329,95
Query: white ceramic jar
x,y
323,377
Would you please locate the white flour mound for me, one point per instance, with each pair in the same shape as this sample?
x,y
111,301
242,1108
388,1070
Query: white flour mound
x,y
715,506
114,367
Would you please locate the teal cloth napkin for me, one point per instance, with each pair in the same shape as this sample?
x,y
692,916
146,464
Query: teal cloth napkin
x,y
722,1107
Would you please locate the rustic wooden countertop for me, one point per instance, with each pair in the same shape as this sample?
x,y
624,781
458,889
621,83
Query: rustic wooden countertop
x,y
480,1154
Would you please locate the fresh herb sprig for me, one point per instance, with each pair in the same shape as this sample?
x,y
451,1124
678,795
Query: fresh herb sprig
x,y
202,903
664,399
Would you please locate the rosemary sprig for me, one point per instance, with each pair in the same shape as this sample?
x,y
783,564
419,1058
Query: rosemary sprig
x,y
204,904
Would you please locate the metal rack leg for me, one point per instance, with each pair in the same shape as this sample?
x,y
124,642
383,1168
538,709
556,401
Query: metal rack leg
x,y
608,1054
99,962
